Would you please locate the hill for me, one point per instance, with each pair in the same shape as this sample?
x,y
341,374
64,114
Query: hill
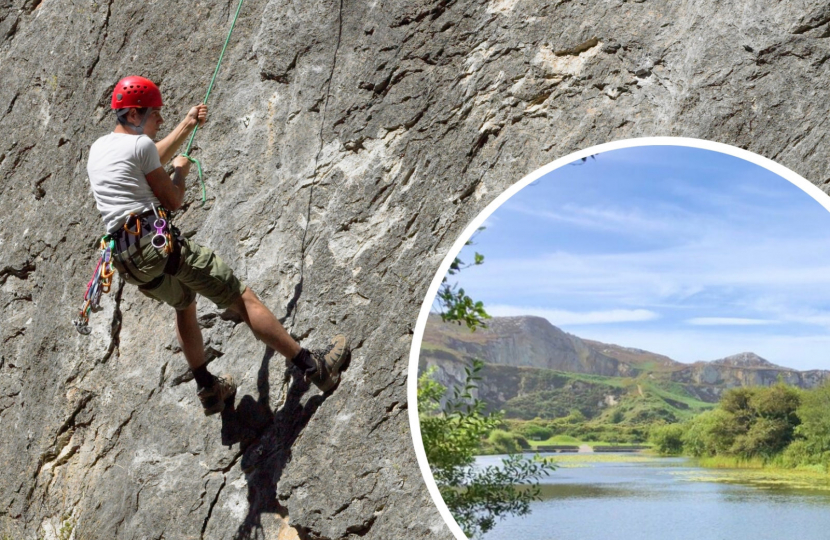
x,y
535,369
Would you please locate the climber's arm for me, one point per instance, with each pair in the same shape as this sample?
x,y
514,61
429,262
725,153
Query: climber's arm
x,y
170,191
168,146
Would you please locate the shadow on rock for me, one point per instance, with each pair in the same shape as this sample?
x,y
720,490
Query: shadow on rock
x,y
266,438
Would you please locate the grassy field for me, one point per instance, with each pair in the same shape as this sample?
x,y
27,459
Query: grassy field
x,y
558,440
674,391
614,382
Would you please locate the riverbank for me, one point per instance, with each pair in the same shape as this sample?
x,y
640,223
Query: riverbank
x,y
724,470
503,442
757,472
568,461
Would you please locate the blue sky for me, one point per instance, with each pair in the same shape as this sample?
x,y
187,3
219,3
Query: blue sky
x,y
681,251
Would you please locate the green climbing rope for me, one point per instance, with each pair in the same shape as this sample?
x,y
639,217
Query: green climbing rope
x,y
210,87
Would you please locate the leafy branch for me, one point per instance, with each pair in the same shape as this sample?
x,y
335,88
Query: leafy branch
x,y
454,303
452,435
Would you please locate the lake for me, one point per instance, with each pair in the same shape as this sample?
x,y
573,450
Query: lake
x,y
656,498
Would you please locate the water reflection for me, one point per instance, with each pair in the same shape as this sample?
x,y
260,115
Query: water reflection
x,y
580,491
666,499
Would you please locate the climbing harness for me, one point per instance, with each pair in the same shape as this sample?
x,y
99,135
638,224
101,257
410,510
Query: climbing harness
x,y
210,87
101,282
152,227
118,251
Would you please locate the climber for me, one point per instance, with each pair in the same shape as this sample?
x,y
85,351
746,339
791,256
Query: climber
x,y
133,192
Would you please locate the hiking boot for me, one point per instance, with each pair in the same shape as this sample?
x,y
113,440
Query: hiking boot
x,y
328,362
213,399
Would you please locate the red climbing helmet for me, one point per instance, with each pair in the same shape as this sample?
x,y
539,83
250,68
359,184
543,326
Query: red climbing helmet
x,y
135,92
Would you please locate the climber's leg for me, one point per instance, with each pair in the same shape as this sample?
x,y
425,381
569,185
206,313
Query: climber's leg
x,y
190,336
264,324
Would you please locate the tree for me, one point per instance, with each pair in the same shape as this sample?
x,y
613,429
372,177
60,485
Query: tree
x,y
452,432
667,439
763,419
709,434
812,444
750,422
536,431
452,436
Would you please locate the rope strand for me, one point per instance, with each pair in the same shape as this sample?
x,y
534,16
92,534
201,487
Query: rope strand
x,y
207,95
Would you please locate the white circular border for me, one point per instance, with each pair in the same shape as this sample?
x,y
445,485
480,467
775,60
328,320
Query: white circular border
x,y
414,353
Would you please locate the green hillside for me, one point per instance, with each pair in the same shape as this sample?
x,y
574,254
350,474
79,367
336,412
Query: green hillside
x,y
549,394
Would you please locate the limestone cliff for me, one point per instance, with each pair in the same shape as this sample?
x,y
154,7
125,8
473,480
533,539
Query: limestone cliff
x,y
348,145
707,379
521,342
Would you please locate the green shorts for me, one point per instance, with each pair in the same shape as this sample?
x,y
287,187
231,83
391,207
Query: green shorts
x,y
200,271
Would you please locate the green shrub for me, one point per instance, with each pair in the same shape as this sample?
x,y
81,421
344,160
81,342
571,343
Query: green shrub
x,y
534,431
452,426
522,442
503,442
708,434
667,439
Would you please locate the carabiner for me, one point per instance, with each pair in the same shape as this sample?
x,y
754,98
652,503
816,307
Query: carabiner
x,y
137,231
160,239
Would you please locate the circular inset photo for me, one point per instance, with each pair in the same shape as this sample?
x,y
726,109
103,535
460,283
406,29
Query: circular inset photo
x,y
631,343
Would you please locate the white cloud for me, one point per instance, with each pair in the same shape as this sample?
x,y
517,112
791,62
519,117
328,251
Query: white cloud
x,y
791,269
630,221
709,272
559,317
727,321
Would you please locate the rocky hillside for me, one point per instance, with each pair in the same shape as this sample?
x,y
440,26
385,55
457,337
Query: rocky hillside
x,y
636,358
537,346
348,145
522,341
534,342
704,379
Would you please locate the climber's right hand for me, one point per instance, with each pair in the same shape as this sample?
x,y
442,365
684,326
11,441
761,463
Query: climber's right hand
x,y
197,115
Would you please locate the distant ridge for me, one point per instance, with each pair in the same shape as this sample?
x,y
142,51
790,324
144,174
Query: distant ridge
x,y
533,342
748,360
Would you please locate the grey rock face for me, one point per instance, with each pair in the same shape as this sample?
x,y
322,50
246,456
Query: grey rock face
x,y
348,145
727,375
523,342
743,369
746,359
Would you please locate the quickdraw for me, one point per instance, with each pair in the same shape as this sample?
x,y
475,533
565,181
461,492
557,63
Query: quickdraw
x,y
101,282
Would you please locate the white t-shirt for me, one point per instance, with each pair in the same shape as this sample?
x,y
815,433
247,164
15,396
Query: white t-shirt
x,y
117,166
